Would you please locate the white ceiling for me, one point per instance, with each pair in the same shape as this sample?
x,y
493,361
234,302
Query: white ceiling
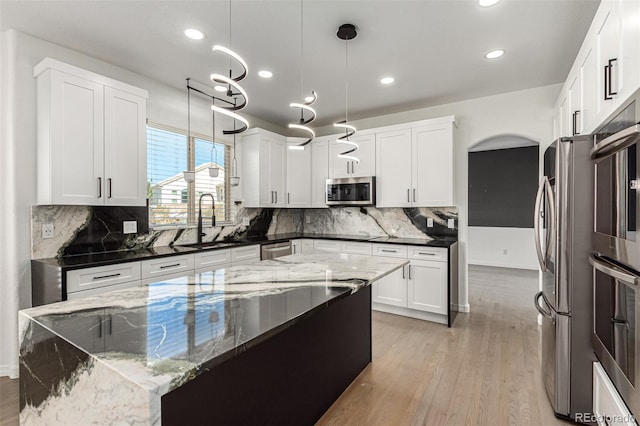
x,y
434,49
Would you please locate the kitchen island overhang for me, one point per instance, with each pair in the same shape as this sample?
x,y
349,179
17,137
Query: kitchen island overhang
x,y
272,342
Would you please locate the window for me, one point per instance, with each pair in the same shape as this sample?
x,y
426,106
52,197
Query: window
x,y
173,201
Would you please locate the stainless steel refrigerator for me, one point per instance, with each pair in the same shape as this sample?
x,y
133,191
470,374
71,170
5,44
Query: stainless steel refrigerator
x,y
563,224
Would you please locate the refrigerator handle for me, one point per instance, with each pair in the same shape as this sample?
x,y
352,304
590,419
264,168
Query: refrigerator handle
x,y
544,312
552,218
613,271
536,225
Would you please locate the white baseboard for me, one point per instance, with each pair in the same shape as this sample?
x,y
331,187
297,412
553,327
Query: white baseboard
x,y
462,308
9,370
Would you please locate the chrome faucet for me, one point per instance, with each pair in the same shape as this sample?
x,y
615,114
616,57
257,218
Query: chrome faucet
x,y
213,215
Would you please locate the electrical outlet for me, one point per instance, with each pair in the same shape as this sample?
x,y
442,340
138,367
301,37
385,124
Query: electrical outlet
x,y
451,223
505,252
246,221
429,222
47,230
129,227
307,219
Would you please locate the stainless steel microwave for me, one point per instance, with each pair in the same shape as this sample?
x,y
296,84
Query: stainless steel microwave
x,y
359,191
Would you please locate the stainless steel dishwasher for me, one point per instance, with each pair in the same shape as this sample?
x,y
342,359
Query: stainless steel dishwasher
x,y
271,251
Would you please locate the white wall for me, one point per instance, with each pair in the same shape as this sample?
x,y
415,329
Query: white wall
x,y
526,113
19,54
502,247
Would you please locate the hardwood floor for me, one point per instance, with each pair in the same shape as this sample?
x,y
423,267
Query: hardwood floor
x,y
483,371
9,402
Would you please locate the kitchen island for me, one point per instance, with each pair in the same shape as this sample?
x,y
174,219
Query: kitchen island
x,y
272,342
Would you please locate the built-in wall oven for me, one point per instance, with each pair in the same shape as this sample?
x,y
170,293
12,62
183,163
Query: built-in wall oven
x,y
358,191
616,253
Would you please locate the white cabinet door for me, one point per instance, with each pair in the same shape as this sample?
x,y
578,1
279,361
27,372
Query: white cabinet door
x,y
299,177
330,246
125,148
607,403
393,169
608,66
319,172
565,121
432,166
366,153
628,48
70,140
427,286
589,91
391,289
277,171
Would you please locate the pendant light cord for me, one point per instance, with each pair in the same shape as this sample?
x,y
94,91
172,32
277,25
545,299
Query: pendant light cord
x,y
346,81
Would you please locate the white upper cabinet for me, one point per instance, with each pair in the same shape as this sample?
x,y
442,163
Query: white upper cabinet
x,y
298,175
319,172
263,168
125,148
91,138
366,153
414,165
606,71
393,171
432,164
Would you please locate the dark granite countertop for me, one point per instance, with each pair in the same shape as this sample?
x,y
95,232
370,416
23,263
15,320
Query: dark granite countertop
x,y
109,258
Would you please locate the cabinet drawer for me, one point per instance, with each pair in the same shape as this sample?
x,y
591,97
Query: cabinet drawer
x,y
245,254
214,259
166,277
356,248
101,290
102,276
327,245
307,246
428,253
390,250
167,265
607,403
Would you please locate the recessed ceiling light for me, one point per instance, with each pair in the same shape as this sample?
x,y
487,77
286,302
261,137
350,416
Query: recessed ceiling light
x,y
494,54
309,99
194,34
265,74
387,80
487,3
220,88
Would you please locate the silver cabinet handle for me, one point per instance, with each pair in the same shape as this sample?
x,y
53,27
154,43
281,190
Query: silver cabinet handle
x,y
426,254
353,167
99,327
409,271
99,187
288,198
276,196
403,272
408,199
389,251
271,197
613,271
536,301
414,195
106,276
109,180
615,143
347,167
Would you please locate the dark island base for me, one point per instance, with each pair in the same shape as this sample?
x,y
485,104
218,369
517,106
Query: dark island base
x,y
291,378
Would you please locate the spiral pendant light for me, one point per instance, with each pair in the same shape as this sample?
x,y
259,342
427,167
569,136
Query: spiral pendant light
x,y
347,32
306,106
234,90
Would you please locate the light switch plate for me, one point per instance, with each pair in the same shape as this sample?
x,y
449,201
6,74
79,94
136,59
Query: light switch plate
x,y
246,221
451,223
129,227
48,230
429,222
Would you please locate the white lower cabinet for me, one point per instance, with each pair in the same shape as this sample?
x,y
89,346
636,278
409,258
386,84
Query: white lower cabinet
x,y
419,289
608,406
82,280
427,286
163,266
330,246
246,254
392,289
355,247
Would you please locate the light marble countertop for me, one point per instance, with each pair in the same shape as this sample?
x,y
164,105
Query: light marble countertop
x,y
160,336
